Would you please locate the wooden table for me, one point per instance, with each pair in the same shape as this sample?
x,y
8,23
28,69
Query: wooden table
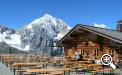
x,y
39,70
103,71
84,62
20,65
36,71
29,64
59,61
47,71
93,65
71,59
64,69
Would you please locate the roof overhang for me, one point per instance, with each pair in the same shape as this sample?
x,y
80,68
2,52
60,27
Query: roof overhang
x,y
86,29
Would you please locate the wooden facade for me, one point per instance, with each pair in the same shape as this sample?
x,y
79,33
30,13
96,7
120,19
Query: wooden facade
x,y
89,44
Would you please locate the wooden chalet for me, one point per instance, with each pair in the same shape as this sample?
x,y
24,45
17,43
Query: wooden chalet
x,y
91,42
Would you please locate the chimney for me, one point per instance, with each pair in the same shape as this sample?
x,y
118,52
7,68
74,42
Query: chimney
x,y
119,25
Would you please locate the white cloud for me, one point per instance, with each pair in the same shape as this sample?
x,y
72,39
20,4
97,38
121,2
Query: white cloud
x,y
100,25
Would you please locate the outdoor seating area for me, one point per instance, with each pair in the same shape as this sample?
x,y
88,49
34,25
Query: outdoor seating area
x,y
21,64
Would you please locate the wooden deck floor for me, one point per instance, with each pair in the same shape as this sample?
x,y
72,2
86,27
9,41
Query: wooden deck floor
x,y
4,70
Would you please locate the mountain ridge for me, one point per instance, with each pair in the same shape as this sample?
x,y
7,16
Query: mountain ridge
x,y
38,35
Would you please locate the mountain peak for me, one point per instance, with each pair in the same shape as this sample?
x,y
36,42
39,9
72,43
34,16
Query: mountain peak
x,y
47,16
44,20
4,28
37,35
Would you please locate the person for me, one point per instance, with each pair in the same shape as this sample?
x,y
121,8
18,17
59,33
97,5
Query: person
x,y
97,61
93,59
77,56
115,61
81,57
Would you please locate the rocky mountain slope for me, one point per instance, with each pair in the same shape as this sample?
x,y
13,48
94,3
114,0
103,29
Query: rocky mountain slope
x,y
40,35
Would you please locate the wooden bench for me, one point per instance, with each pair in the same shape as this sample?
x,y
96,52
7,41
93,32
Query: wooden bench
x,y
51,73
20,70
102,71
54,73
45,74
58,71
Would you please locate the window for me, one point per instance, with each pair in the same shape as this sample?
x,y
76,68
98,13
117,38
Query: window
x,y
82,52
112,52
96,52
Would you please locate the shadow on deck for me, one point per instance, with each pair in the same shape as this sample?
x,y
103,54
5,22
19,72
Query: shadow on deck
x,y
4,70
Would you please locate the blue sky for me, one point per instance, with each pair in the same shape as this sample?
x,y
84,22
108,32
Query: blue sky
x,y
16,13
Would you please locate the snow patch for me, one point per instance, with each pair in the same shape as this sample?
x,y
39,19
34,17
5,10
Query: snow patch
x,y
69,27
27,47
2,37
59,36
15,39
100,25
29,26
15,42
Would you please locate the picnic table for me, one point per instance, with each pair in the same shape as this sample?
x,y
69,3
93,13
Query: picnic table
x,y
94,66
35,71
103,71
64,69
84,62
19,65
27,65
45,71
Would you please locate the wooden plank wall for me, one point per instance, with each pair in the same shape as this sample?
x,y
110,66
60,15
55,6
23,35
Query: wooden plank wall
x,y
92,50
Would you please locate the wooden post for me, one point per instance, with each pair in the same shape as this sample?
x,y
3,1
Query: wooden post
x,y
119,52
120,60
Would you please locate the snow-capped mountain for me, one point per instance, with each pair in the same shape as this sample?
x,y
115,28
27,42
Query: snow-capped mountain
x,y
7,37
10,37
43,32
5,33
40,34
